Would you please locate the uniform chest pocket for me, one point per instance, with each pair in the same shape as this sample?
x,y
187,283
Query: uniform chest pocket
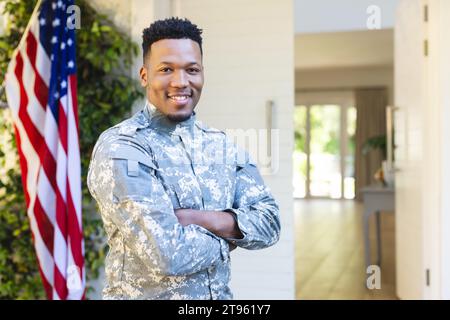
x,y
183,192
217,186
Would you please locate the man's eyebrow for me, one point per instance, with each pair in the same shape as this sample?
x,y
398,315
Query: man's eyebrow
x,y
171,63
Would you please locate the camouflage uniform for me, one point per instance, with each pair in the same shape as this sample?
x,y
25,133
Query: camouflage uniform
x,y
147,166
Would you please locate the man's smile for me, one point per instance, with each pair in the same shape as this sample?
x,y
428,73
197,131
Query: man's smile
x,y
180,98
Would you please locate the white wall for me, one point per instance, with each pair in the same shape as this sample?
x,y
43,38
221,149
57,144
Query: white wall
x,y
118,12
343,78
340,15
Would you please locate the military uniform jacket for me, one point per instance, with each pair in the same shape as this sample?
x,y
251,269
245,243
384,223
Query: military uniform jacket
x,y
146,167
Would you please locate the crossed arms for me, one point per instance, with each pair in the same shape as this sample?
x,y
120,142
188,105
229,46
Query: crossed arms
x,y
183,241
221,223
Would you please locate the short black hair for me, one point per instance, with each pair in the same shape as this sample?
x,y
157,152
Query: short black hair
x,y
170,28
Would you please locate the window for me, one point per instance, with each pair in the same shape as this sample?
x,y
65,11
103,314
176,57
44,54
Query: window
x,y
323,157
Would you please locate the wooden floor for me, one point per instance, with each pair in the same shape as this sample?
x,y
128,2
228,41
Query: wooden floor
x,y
330,252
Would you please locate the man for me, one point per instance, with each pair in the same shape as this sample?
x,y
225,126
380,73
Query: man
x,y
175,195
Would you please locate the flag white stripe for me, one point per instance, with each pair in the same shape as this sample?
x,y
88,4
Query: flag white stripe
x,y
36,113
73,159
12,90
60,252
44,256
74,176
55,295
51,135
61,171
63,101
42,61
47,196
76,284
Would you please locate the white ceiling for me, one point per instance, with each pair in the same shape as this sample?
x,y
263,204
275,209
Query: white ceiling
x,y
313,16
344,49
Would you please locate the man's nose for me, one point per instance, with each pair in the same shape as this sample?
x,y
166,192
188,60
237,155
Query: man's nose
x,y
179,79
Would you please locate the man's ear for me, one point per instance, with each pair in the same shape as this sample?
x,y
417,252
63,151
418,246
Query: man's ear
x,y
143,76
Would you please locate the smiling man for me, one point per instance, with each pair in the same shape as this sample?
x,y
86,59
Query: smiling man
x,y
175,195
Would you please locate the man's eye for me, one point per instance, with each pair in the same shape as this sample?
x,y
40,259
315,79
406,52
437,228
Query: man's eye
x,y
165,70
193,70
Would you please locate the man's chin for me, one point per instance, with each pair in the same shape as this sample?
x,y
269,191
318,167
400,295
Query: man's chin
x,y
179,117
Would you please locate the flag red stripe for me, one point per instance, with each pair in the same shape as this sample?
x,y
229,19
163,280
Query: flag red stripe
x,y
44,225
37,141
47,285
73,88
40,88
23,166
60,284
75,232
62,126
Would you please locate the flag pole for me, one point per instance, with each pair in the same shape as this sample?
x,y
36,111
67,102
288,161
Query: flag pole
x,y
23,39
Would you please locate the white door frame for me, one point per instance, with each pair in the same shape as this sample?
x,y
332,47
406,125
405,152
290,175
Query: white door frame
x,y
435,165
436,204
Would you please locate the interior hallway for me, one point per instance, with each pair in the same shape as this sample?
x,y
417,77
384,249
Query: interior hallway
x,y
330,252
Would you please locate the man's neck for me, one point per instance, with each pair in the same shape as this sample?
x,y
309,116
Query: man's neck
x,y
160,120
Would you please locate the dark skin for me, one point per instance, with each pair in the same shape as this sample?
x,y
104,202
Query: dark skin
x,y
173,78
173,68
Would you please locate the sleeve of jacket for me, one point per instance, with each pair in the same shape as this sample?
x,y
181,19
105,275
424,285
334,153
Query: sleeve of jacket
x,y
122,178
254,208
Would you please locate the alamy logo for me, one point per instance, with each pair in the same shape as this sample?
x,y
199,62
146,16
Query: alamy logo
x,y
374,18
74,278
374,277
74,18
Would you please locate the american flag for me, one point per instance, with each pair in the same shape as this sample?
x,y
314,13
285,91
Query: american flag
x,y
41,91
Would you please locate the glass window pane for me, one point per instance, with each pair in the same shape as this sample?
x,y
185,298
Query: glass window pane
x,y
325,169
349,175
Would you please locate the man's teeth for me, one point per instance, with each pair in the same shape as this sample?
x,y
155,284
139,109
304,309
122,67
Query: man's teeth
x,y
179,98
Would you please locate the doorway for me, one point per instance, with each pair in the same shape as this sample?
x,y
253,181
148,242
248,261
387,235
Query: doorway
x,y
323,158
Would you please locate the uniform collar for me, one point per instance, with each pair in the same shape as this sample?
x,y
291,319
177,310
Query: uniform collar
x,y
160,121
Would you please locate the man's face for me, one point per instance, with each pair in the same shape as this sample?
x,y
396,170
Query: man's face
x,y
173,77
